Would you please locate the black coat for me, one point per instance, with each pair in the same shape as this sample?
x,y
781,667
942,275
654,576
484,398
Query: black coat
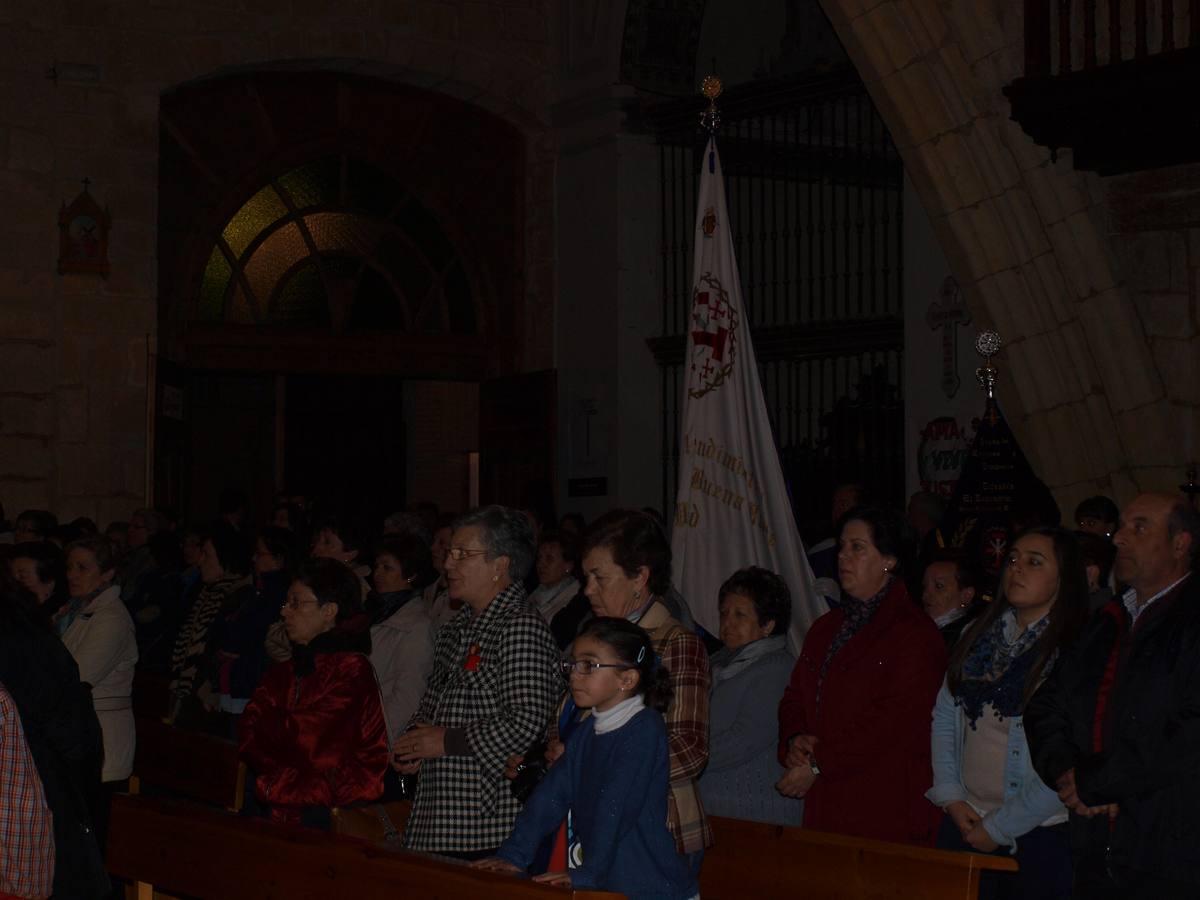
x,y
1149,756
65,743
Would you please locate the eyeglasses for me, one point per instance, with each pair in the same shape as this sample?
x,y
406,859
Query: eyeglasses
x,y
461,553
587,666
294,605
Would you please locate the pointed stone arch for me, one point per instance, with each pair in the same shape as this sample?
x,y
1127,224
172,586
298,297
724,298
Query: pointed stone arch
x,y
1028,238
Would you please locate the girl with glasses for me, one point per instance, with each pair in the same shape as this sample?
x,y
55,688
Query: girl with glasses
x,y
614,777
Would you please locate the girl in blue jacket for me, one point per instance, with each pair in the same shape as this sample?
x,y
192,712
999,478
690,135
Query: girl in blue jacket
x,y
612,778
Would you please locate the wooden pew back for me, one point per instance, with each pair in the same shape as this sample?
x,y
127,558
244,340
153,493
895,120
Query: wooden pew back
x,y
751,859
191,851
189,764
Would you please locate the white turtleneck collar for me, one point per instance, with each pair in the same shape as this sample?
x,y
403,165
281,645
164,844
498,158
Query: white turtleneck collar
x,y
612,719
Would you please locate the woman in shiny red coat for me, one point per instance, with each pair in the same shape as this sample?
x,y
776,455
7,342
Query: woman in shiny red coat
x,y
854,721
314,732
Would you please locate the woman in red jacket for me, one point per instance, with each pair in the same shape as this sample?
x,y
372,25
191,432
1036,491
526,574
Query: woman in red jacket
x,y
854,721
314,732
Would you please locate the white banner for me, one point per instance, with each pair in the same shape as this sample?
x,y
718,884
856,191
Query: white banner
x,y
732,508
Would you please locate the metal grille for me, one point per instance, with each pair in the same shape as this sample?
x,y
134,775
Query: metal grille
x,y
814,187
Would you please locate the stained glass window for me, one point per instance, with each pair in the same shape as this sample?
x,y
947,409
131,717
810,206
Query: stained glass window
x,y
337,234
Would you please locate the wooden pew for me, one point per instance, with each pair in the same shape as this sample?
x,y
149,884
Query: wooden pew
x,y
188,764
196,852
151,695
751,859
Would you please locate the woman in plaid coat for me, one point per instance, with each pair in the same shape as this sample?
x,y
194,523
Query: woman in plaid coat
x,y
493,687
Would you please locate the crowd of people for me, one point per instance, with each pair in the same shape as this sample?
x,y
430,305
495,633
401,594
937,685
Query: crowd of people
x,y
543,696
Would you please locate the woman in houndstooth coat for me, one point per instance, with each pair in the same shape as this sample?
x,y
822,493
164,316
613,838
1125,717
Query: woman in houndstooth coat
x,y
494,685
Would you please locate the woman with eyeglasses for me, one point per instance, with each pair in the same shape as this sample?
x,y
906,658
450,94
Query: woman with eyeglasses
x,y
314,732
627,567
492,689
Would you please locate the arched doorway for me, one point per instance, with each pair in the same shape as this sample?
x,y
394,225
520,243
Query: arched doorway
x,y
332,249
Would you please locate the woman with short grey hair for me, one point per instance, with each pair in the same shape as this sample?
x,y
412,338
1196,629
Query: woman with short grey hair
x,y
493,687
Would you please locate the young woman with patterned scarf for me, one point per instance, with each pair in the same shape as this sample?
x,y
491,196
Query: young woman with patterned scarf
x,y
983,777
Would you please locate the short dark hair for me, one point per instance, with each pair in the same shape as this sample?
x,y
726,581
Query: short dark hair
x,y
282,544
1098,507
332,581
100,547
85,525
411,553
231,548
575,519
345,528
49,561
635,540
40,521
568,544
769,593
1096,551
166,549
1184,519
889,532
407,523
632,646
966,573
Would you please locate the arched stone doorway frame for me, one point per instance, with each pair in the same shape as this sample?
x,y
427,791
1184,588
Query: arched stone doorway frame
x,y
499,346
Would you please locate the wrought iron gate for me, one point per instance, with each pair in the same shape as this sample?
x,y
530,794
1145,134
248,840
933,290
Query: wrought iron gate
x,y
814,186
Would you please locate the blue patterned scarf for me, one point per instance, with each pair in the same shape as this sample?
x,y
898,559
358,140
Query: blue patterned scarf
x,y
997,667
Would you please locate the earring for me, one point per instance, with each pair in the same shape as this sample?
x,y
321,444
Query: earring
x,y
885,570
495,578
637,595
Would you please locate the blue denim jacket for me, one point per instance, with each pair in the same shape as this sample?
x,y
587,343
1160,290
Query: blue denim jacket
x,y
1028,802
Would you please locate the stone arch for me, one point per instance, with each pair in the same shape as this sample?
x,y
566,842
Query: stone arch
x,y
1025,236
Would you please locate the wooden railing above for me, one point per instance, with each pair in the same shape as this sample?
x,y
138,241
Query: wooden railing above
x,y
1114,81
1063,36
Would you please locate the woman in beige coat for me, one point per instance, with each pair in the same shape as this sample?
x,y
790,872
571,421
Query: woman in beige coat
x,y
101,638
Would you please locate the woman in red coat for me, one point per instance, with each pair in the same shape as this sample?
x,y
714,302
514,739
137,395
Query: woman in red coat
x,y
314,732
854,721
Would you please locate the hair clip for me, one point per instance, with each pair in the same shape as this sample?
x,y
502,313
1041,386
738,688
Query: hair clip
x,y
641,654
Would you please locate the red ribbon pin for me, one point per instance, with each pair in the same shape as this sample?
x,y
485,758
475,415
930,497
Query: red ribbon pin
x,y
473,658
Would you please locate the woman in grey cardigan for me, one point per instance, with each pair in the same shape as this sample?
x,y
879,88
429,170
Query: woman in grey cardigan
x,y
748,679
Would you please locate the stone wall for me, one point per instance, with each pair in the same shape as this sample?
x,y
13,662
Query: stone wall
x,y
1096,396
73,349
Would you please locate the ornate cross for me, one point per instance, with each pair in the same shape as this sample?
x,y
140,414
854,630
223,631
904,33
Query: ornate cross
x,y
947,313
701,335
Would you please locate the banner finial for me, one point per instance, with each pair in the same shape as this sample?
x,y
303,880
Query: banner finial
x,y
987,345
710,119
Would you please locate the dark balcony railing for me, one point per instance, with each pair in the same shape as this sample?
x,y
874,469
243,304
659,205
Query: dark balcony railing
x,y
1064,36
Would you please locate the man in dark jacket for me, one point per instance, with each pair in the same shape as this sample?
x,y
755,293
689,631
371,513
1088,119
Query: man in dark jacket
x,y
1116,727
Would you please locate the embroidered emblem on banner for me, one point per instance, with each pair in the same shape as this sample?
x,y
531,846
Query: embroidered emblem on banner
x,y
714,336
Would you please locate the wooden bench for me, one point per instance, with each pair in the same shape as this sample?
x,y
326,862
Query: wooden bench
x,y
188,764
750,859
196,852
151,696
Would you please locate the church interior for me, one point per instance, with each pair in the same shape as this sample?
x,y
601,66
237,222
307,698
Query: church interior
x,y
382,255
